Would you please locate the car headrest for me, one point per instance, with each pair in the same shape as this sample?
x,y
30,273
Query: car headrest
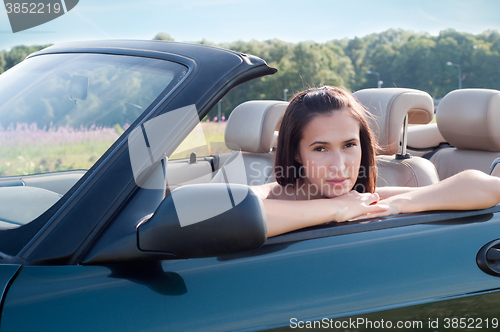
x,y
389,107
470,119
251,125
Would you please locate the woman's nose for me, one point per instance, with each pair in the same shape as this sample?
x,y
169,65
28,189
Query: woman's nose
x,y
337,162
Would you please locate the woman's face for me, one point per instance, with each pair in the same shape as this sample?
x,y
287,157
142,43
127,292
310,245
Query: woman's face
x,y
330,152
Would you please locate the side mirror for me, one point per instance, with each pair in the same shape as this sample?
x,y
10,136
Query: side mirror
x,y
205,220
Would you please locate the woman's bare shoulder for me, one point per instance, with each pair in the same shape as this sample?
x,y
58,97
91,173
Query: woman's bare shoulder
x,y
274,190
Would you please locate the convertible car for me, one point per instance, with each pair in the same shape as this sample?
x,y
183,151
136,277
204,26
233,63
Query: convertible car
x,y
117,212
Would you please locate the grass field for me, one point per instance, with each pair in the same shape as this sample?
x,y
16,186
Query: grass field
x,y
26,149
206,139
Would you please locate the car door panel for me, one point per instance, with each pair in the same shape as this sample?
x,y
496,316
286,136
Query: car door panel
x,y
336,276
59,182
181,172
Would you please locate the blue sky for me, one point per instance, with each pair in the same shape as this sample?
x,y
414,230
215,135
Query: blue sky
x,y
231,20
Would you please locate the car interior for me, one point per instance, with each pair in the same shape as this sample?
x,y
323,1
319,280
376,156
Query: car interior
x,y
252,131
413,152
393,109
38,192
467,120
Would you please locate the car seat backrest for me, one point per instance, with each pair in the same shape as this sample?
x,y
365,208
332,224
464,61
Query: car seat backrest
x,y
251,125
423,139
250,133
468,119
389,107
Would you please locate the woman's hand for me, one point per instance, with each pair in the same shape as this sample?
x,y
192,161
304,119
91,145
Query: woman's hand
x,y
356,205
395,205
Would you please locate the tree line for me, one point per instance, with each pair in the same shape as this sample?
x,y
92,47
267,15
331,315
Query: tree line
x,y
402,58
17,54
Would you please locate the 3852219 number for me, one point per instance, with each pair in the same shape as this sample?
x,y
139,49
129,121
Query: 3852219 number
x,y
32,8
470,323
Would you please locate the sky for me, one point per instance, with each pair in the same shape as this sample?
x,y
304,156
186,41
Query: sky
x,y
231,20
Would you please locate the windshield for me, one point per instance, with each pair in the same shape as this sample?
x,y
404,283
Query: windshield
x,y
59,113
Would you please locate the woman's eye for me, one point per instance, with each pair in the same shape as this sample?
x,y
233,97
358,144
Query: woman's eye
x,y
319,148
348,145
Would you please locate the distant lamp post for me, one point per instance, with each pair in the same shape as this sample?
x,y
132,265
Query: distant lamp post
x,y
459,72
379,82
284,94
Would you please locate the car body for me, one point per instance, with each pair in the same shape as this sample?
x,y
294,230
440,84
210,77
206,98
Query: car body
x,y
106,251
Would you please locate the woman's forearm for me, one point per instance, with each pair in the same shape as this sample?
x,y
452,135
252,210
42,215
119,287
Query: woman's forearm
x,y
284,216
386,192
468,190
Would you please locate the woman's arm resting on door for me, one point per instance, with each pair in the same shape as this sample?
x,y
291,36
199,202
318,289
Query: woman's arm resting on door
x,y
386,192
468,190
284,216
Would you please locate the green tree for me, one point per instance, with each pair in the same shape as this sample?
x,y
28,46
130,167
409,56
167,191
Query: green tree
x,y
163,36
19,53
2,62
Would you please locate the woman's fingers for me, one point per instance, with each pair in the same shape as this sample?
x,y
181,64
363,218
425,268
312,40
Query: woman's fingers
x,y
377,210
359,205
370,198
374,198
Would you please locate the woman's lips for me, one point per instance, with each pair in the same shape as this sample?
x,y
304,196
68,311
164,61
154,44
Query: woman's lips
x,y
337,182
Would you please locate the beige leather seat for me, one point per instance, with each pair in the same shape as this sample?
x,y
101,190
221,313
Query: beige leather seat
x,y
468,119
423,139
389,107
250,133
252,124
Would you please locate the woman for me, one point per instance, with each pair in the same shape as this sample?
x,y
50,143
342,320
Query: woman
x,y
325,170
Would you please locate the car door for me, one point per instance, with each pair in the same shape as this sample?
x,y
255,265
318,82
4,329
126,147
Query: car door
x,y
401,270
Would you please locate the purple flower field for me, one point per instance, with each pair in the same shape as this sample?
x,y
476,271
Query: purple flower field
x,y
27,149
23,134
